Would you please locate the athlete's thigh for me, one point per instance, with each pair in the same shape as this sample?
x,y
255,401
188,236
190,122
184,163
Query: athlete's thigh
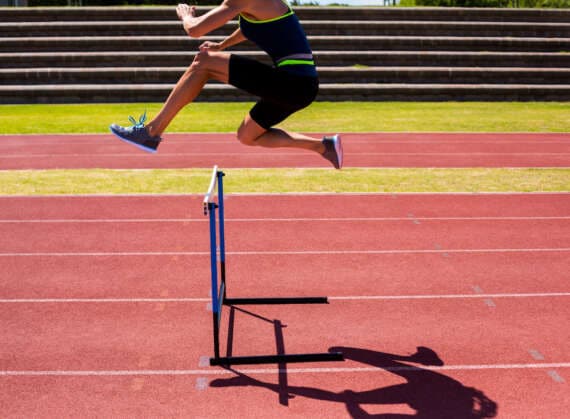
x,y
216,63
252,76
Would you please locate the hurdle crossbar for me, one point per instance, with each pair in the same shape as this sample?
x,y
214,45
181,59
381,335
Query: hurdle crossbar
x,y
213,204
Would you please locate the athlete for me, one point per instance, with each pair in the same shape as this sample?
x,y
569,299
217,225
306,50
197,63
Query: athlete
x,y
287,86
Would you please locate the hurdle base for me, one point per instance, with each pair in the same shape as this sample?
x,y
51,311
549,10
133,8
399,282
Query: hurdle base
x,y
277,359
276,300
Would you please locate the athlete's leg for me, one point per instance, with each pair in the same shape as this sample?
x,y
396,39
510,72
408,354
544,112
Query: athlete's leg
x,y
207,65
251,133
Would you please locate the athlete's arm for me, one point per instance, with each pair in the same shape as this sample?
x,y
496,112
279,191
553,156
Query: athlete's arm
x,y
234,39
197,26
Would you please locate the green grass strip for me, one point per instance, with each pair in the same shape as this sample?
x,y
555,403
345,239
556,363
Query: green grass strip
x,y
319,117
166,181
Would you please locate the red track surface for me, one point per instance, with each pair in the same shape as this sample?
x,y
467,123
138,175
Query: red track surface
x,y
361,150
103,305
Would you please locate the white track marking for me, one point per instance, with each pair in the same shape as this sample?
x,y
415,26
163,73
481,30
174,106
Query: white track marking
x,y
278,194
453,296
92,155
335,298
218,372
292,219
265,253
101,300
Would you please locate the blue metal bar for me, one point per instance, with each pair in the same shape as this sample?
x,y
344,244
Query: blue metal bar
x,y
213,256
221,216
214,272
221,295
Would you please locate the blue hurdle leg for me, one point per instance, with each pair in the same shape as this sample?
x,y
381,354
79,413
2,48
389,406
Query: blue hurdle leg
x,y
214,272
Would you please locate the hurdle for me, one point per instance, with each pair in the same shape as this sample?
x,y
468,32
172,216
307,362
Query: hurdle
x,y
213,206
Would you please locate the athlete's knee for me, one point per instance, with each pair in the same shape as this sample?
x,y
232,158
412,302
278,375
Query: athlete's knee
x,y
246,137
202,62
199,62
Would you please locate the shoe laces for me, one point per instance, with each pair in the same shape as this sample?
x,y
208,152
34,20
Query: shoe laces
x,y
140,122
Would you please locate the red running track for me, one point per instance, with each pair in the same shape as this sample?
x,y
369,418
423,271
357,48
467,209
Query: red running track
x,y
103,306
361,150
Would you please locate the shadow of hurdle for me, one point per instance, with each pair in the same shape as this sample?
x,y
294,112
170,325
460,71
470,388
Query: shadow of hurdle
x,y
430,393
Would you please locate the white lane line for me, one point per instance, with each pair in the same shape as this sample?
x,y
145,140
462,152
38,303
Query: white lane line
x,y
230,137
273,219
115,220
269,253
486,298
100,300
452,296
92,155
334,298
278,195
101,254
216,371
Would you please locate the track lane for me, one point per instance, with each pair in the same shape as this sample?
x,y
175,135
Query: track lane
x,y
169,396
293,236
504,334
499,340
361,150
45,277
148,275
314,206
483,346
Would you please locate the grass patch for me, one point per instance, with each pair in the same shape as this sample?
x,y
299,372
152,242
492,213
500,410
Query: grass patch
x,y
319,117
165,181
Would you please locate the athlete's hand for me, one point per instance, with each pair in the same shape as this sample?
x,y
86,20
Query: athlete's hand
x,y
183,11
187,15
211,46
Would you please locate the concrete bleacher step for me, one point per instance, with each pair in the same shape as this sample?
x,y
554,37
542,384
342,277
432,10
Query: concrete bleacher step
x,y
323,58
311,27
349,75
118,13
369,43
113,93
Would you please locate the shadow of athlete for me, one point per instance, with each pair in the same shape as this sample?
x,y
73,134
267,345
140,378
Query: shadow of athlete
x,y
431,394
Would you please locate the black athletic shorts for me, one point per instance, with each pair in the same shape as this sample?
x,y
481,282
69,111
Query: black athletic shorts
x,y
281,91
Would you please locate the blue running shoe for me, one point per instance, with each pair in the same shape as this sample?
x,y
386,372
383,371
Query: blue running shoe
x,y
137,135
333,150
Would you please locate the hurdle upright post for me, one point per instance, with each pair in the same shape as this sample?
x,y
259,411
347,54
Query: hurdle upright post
x,y
220,178
214,280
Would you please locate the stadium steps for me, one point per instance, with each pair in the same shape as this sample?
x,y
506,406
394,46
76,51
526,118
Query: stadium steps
x,y
349,75
116,54
312,27
124,14
121,93
143,59
322,43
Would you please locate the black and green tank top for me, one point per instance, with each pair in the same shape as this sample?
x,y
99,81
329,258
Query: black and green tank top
x,y
284,40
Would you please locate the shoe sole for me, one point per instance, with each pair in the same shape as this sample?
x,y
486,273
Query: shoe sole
x,y
338,149
140,146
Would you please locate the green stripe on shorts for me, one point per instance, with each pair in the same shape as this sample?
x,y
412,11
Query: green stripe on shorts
x,y
295,62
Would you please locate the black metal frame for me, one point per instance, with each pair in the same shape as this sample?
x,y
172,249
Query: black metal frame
x,y
219,298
